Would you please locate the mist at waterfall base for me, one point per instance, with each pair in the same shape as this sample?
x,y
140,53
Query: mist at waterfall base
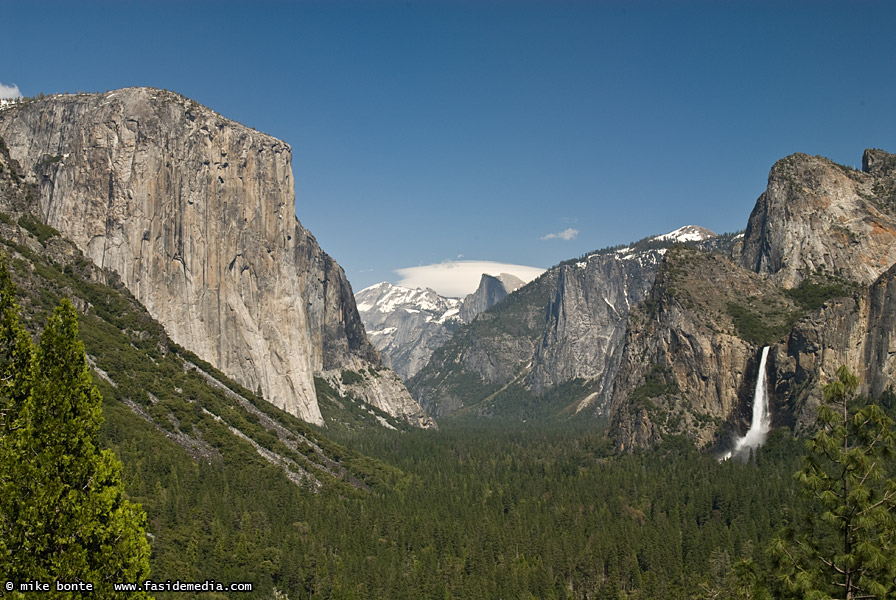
x,y
761,422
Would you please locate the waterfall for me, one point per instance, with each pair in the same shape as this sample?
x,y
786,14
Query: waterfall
x,y
761,423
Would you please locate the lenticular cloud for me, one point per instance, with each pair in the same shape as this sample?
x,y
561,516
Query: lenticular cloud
x,y
457,278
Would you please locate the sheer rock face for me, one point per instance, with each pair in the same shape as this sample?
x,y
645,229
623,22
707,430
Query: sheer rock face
x,y
492,289
857,331
567,324
817,216
196,215
586,321
686,367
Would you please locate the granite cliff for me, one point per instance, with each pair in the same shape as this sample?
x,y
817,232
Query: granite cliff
x,y
820,217
492,289
662,341
691,350
554,341
196,215
813,281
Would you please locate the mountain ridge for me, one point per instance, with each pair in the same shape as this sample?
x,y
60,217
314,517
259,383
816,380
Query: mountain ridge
x,y
659,358
407,324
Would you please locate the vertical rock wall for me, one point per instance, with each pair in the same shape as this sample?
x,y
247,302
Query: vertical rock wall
x,y
196,214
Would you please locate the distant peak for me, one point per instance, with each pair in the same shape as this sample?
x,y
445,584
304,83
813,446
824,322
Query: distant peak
x,y
688,233
383,285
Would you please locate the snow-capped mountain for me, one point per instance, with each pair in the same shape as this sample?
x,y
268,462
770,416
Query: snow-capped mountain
x,y
688,233
407,324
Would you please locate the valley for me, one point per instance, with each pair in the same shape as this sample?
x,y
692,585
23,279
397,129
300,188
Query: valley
x,y
556,438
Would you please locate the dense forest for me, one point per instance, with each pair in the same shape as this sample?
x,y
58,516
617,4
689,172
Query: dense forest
x,y
480,508
478,513
476,509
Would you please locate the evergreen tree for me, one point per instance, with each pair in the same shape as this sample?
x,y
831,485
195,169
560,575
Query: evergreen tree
x,y
63,516
847,547
16,354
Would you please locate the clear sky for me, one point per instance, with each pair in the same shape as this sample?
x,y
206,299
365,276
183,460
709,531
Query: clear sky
x,y
434,130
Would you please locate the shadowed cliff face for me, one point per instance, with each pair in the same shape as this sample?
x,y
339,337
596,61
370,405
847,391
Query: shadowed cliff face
x,y
856,331
196,214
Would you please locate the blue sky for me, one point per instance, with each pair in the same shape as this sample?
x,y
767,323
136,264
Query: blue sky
x,y
430,131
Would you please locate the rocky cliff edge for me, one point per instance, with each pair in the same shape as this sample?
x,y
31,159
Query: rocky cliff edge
x,y
196,215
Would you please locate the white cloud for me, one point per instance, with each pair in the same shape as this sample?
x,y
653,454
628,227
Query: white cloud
x,y
457,278
566,234
9,91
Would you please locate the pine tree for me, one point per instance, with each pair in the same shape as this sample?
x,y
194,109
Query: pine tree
x,y
63,515
16,354
846,548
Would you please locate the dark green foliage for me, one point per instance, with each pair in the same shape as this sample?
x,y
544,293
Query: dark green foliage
x,y
844,546
654,386
754,327
811,294
351,377
515,403
38,229
63,515
495,510
347,413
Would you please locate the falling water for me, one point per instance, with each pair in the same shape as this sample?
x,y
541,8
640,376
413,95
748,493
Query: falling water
x,y
761,423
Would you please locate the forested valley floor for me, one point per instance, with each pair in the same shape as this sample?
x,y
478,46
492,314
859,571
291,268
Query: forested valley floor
x,y
477,509
471,512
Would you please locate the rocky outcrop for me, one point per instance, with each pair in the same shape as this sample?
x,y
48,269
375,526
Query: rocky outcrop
x,y
381,388
492,289
691,350
566,326
820,217
821,240
196,215
856,331
15,194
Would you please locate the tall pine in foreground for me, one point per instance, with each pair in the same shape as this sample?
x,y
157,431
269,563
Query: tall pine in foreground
x,y
847,547
63,515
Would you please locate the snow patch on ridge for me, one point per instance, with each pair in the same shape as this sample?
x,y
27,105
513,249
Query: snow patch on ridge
x,y
688,233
